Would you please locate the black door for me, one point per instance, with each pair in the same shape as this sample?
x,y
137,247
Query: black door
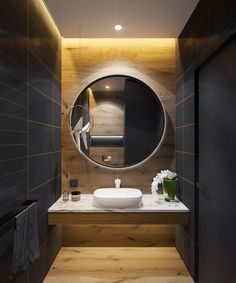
x,y
217,166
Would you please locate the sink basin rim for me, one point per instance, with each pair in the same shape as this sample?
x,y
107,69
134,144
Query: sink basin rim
x,y
117,198
119,193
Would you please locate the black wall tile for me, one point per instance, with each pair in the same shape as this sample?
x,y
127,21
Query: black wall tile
x,y
188,83
13,179
11,166
8,79
189,254
57,164
41,138
179,145
179,114
21,101
13,95
9,65
189,139
12,194
189,167
56,188
36,9
12,123
6,254
13,109
14,13
189,195
189,110
57,90
39,76
11,152
180,189
57,115
40,45
13,138
180,163
57,139
179,90
210,25
44,165
190,230
179,238
45,231
41,107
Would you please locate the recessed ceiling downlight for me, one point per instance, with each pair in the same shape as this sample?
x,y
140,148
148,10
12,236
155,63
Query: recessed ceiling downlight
x,y
118,27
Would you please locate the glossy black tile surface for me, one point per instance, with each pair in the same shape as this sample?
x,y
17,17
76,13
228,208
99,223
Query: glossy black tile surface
x,y
179,114
57,89
189,253
189,195
57,164
179,135
189,139
29,65
10,80
210,25
43,164
13,95
57,138
40,45
56,188
189,168
13,152
13,179
13,138
180,189
57,114
40,77
188,83
41,138
11,194
41,107
11,166
45,230
12,109
189,111
180,163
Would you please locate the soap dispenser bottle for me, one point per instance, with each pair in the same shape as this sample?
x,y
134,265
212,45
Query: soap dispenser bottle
x,y
117,182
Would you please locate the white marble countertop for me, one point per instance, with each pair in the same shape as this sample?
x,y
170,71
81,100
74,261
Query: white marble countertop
x,y
85,204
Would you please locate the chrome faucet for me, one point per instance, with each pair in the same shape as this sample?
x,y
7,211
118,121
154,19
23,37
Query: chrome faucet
x,y
117,182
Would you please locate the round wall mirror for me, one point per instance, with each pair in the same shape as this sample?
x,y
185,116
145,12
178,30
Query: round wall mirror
x,y
117,121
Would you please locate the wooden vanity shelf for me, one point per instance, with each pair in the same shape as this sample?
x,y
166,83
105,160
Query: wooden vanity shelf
x,y
66,218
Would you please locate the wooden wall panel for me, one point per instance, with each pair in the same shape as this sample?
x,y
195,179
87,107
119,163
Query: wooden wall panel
x,y
81,58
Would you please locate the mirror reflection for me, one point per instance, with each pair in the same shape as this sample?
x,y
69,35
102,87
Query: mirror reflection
x,y
128,121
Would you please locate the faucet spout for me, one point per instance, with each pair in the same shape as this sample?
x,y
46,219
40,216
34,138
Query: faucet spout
x,y
117,182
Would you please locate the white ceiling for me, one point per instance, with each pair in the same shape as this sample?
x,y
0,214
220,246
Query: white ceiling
x,y
140,18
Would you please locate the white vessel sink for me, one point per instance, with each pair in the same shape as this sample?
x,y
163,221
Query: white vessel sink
x,y
117,198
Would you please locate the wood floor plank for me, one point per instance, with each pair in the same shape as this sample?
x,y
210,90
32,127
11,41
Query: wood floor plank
x,y
118,265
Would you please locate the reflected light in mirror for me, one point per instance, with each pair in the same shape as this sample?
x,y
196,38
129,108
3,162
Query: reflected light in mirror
x,y
118,27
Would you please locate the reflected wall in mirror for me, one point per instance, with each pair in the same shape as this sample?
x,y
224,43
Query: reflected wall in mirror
x,y
129,121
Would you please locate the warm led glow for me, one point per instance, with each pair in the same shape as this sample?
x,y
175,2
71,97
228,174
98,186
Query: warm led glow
x,y
118,27
107,87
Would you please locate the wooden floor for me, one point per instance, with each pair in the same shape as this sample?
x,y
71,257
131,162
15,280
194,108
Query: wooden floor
x,y
116,265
